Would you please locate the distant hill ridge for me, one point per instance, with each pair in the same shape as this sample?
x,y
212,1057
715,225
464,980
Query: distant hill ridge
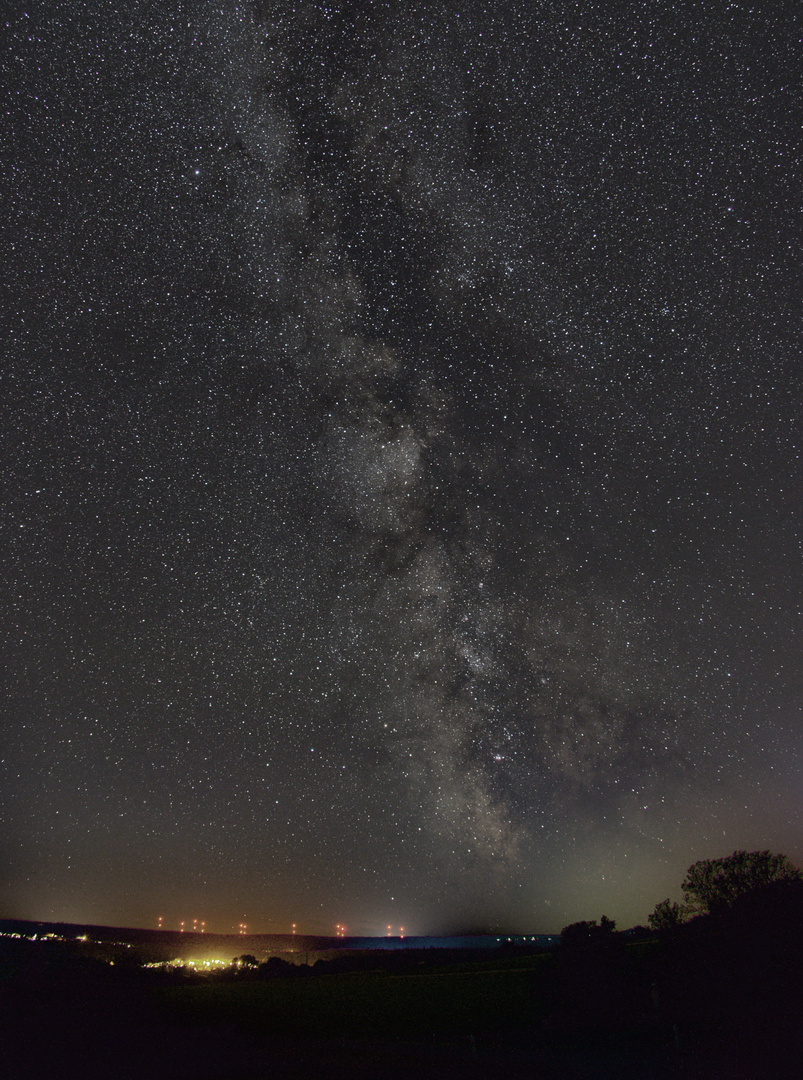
x,y
241,943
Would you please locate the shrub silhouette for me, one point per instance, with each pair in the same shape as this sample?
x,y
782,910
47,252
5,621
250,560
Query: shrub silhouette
x,y
666,917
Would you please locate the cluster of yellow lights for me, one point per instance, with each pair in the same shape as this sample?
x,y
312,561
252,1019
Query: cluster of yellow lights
x,y
390,931
196,965
243,929
340,930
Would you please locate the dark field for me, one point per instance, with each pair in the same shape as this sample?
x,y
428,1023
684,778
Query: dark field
x,y
476,1019
488,1006
679,1009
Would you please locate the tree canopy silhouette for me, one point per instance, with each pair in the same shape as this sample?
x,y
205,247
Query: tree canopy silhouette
x,y
587,933
712,886
666,916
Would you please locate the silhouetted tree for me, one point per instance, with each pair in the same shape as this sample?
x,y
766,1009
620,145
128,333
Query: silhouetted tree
x,y
577,933
591,972
731,983
667,916
276,966
587,932
713,885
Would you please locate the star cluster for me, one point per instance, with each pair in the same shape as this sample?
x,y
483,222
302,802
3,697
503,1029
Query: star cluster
x,y
401,457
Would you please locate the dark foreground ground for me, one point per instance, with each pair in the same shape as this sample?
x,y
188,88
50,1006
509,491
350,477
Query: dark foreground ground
x,y
713,1002
350,1025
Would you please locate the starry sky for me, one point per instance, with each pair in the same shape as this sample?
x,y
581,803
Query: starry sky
x,y
400,458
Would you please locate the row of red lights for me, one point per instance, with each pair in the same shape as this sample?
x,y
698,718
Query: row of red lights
x,y
200,928
197,928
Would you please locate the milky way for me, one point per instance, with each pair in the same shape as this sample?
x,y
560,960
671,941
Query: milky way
x,y
400,459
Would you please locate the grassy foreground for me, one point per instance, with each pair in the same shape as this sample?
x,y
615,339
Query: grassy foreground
x,y
500,1004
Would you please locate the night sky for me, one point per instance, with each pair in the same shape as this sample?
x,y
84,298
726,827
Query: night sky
x,y
400,458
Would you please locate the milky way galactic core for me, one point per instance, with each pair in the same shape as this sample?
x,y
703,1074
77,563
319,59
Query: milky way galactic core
x,y
400,452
